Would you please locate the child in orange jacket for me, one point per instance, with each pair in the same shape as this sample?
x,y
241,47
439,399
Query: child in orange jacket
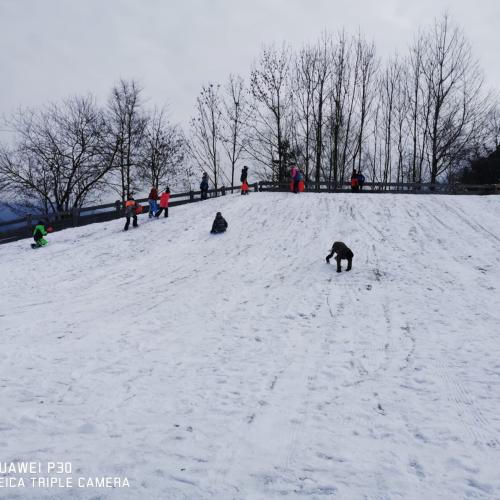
x,y
131,211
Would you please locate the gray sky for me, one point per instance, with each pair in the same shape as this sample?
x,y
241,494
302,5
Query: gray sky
x,y
54,48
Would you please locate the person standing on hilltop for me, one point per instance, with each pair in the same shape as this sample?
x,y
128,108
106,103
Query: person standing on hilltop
x,y
293,173
361,180
298,181
204,186
244,180
354,181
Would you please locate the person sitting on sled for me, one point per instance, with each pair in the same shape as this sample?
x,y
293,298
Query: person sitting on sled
x,y
219,225
38,235
343,253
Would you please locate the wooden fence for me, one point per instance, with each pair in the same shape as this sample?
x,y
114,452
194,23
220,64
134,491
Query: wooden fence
x,y
17,229
389,187
23,227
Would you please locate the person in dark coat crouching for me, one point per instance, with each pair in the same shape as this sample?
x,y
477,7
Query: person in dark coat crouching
x,y
219,225
343,253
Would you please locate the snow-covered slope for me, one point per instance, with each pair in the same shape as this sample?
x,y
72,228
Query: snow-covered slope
x,y
243,366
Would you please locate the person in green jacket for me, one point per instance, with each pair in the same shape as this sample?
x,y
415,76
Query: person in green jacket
x,y
38,235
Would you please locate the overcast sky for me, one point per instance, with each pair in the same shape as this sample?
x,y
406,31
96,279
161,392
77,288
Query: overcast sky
x,y
51,49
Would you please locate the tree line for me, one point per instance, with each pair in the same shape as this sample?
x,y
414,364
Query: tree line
x,y
333,106
68,154
330,107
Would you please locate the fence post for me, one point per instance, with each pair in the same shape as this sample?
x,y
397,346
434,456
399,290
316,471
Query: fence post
x,y
29,223
191,195
74,213
223,190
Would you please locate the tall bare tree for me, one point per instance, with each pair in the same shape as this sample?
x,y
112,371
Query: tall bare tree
x,y
342,121
493,127
60,160
388,92
367,90
418,107
271,89
206,132
311,73
235,120
454,89
162,154
127,122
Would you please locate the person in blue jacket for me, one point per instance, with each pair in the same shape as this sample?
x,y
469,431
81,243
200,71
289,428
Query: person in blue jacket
x,y
361,180
299,176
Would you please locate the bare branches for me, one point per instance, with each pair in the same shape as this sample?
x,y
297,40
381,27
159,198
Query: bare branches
x,y
236,115
127,122
331,107
206,132
162,153
271,91
58,162
453,89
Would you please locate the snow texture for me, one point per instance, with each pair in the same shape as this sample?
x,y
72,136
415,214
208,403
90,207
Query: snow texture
x,y
242,366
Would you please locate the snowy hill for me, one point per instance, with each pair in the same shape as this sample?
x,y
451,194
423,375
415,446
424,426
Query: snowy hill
x,y
243,366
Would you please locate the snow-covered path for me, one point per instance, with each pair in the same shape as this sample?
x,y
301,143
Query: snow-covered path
x,y
242,366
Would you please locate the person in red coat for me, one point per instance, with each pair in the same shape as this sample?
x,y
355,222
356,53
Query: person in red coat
x,y
164,199
354,181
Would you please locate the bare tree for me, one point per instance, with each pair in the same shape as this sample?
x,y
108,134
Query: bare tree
x,y
493,127
162,154
374,155
127,122
418,107
454,89
206,132
235,119
367,94
388,93
59,161
310,74
400,121
313,68
270,88
342,125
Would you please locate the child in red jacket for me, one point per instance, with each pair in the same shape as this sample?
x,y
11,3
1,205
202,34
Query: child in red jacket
x,y
164,199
